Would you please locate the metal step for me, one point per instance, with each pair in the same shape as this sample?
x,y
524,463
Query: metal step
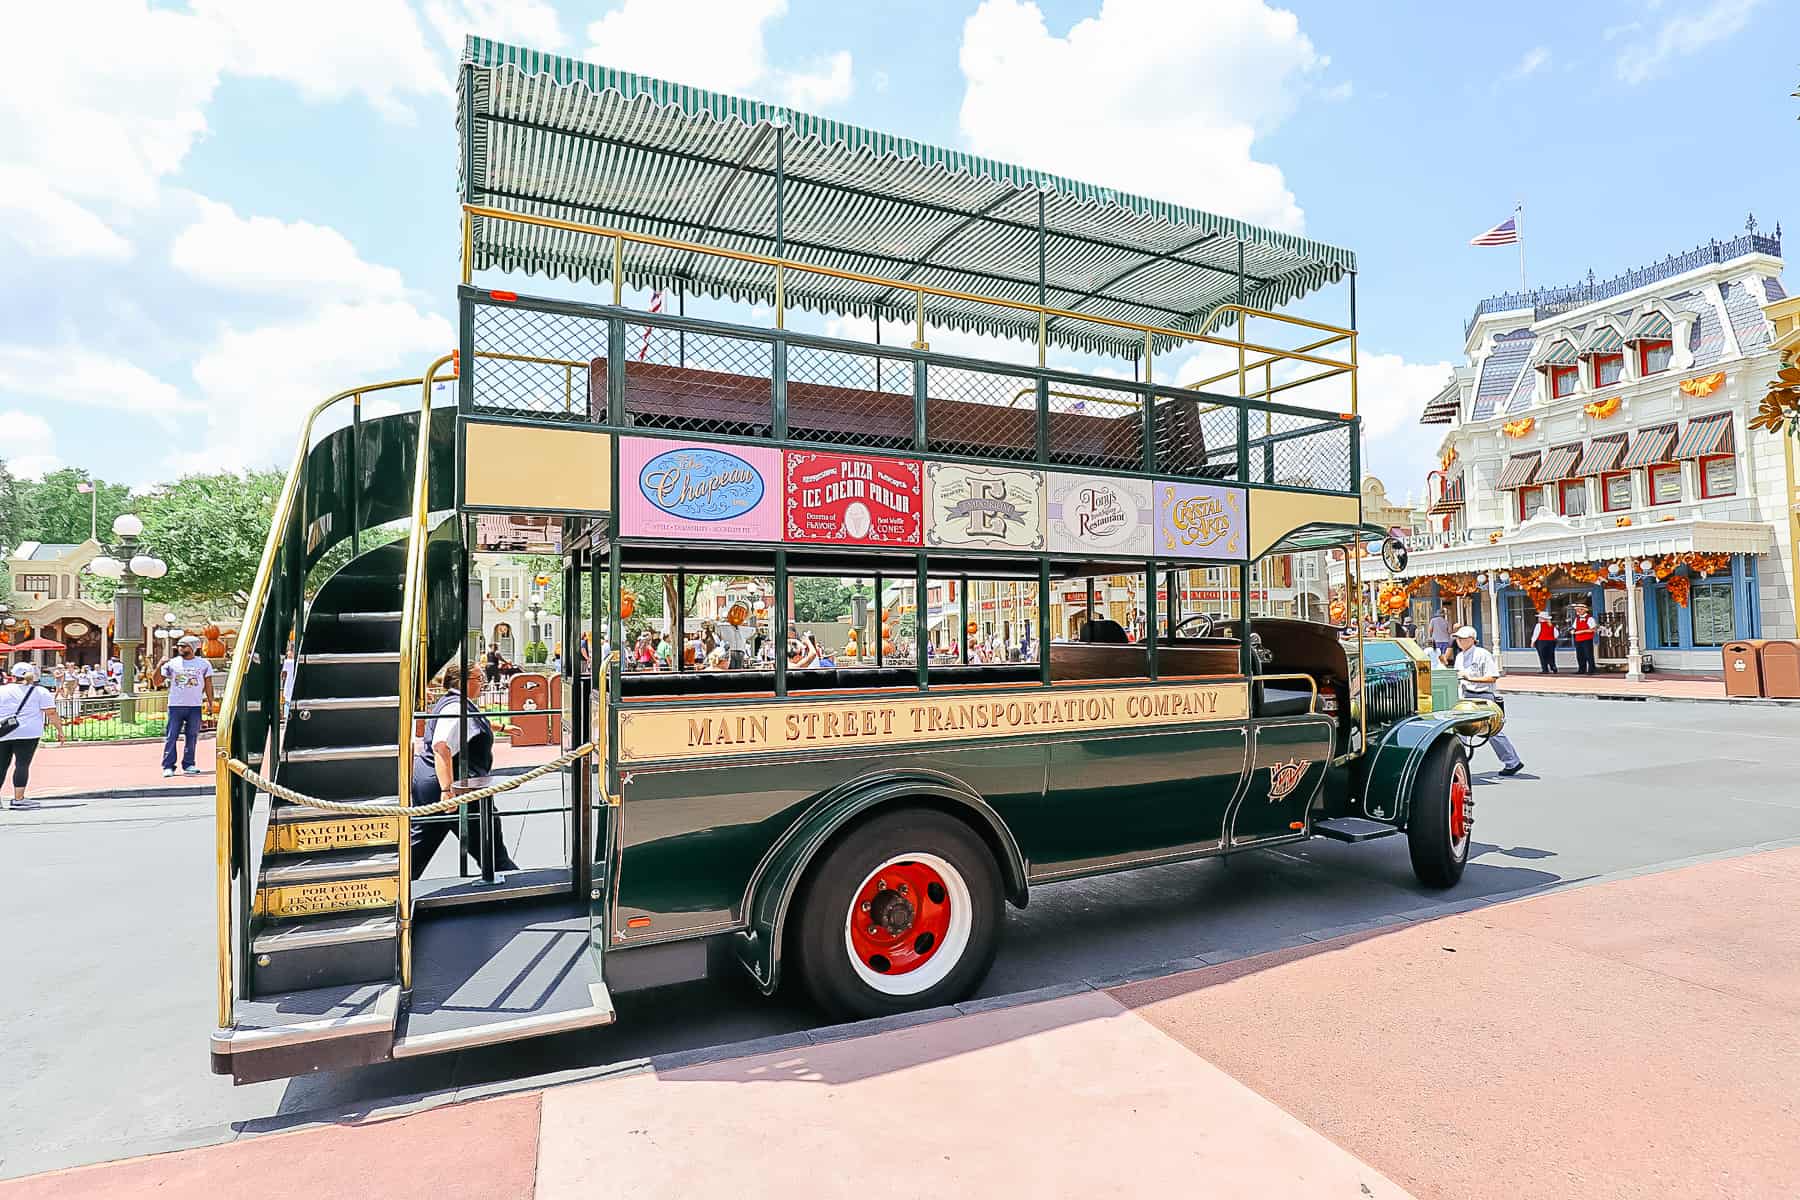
x,y
329,657
1352,829
358,863
339,753
332,703
344,1025
308,934
358,616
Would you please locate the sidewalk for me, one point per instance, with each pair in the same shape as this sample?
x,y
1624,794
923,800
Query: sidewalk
x,y
1631,1038
1615,687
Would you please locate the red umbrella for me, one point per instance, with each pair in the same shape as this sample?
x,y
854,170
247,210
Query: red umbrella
x,y
35,643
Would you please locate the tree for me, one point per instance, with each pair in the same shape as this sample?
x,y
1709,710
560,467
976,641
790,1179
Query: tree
x,y
52,510
12,495
817,599
210,529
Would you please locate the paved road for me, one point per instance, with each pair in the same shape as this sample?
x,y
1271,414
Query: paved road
x,y
108,924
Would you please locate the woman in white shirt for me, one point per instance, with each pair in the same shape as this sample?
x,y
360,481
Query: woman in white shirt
x,y
23,701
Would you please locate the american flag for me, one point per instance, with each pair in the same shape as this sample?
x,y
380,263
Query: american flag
x,y
656,303
84,488
1506,233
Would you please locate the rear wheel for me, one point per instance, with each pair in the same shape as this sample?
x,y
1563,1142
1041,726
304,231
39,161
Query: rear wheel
x,y
902,913
1443,816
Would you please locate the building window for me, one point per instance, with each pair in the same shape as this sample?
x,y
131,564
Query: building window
x,y
1668,619
34,583
1572,496
1608,369
1530,500
1521,619
1563,381
1615,491
504,587
1653,357
1718,476
1665,484
1714,622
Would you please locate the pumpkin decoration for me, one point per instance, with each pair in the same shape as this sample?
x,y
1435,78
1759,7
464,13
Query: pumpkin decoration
x,y
1520,427
1623,522
1495,536
1461,584
627,604
738,614
211,646
1600,410
887,647
851,649
973,629
1337,611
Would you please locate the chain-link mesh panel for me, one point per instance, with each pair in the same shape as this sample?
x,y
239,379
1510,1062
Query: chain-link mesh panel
x,y
984,414
1096,426
536,363
1309,451
698,382
1196,436
849,399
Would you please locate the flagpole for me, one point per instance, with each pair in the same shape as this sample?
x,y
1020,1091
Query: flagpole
x,y
93,514
1519,226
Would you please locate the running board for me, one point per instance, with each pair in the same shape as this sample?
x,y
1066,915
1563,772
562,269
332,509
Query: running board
x,y
348,1025
1352,829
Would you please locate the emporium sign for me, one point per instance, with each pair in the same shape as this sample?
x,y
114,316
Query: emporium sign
x,y
853,498
701,732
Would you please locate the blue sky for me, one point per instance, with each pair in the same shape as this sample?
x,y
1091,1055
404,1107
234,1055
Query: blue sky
x,y
214,213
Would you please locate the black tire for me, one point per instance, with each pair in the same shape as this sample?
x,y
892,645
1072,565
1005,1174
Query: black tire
x,y
1438,854
914,840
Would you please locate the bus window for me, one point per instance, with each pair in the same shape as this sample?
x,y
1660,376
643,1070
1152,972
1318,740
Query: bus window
x,y
832,621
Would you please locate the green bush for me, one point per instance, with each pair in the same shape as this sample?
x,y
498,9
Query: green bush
x,y
536,652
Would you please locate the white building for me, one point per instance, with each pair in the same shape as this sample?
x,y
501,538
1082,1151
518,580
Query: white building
x,y
1604,426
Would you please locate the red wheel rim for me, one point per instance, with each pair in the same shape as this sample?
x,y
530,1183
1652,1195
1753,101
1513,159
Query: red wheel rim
x,y
899,917
1461,818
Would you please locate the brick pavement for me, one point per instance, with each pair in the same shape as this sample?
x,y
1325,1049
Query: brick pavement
x,y
1639,1037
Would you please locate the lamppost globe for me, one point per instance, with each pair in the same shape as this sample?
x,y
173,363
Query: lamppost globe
x,y
169,619
107,567
127,525
146,566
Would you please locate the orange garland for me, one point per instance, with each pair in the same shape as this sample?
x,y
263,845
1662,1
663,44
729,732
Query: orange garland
x,y
1519,428
1601,409
1703,385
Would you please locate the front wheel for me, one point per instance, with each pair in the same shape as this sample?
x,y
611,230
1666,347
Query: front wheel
x,y
903,913
1443,816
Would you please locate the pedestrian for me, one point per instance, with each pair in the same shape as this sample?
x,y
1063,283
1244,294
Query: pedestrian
x,y
1438,630
190,694
24,707
664,654
434,767
1543,637
115,671
1409,627
1582,628
1477,675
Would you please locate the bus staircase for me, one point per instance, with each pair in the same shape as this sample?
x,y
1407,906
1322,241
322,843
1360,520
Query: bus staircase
x,y
323,974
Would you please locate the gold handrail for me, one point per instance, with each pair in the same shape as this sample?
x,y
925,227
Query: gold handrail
x,y
412,600
240,667
919,290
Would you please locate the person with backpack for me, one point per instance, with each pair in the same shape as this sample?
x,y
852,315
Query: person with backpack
x,y
24,708
455,725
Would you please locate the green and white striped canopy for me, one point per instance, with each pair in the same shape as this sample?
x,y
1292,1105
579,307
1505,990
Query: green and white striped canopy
x,y
563,138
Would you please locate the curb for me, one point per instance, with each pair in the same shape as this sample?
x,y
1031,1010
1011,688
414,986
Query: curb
x,y
1745,701
130,793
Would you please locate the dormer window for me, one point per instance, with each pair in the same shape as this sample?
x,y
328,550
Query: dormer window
x,y
1561,366
1605,349
1608,369
1653,339
1563,381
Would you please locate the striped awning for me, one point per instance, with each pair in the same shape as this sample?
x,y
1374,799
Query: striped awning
x,y
1560,464
1452,499
1441,409
1706,435
1603,455
576,141
1652,447
1521,471
1651,327
1604,340
1560,353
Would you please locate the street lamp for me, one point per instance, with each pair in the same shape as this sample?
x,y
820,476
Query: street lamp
x,y
537,608
125,563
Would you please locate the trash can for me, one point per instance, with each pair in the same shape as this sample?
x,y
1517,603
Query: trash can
x,y
1781,670
1743,668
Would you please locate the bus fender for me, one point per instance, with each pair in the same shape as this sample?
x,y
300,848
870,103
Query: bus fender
x,y
776,881
1396,754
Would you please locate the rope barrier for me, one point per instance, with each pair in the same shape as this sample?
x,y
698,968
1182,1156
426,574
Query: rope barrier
x,y
243,771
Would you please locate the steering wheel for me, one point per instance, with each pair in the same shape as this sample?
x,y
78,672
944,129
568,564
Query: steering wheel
x,y
1202,622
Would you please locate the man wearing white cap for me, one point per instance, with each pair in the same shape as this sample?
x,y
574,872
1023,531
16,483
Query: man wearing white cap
x,y
24,707
1476,677
190,694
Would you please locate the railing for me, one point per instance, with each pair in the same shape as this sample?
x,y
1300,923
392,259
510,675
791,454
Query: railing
x,y
260,642
1548,302
564,362
96,718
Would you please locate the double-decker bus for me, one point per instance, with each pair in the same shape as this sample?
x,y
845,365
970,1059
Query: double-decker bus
x,y
849,642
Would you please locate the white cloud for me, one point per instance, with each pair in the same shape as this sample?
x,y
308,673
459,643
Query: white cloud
x,y
258,383
262,254
30,444
60,375
47,224
1648,54
715,44
1171,97
522,22
1530,63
